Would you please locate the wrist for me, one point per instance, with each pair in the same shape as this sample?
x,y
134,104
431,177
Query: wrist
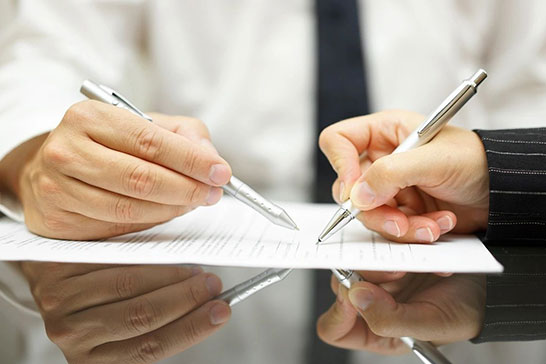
x,y
13,165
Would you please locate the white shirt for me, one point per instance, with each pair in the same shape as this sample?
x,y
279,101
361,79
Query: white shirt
x,y
246,68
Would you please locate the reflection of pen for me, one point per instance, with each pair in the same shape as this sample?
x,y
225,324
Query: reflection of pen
x,y
422,135
253,285
234,187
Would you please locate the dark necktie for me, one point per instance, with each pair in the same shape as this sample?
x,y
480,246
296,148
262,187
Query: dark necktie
x,y
341,94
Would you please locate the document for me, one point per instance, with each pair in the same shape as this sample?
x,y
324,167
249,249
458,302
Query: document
x,y
232,234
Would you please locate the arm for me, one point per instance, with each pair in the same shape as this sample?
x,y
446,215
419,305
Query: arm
x,y
424,306
517,171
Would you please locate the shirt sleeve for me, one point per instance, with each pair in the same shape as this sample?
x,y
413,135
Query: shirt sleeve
x,y
516,235
47,49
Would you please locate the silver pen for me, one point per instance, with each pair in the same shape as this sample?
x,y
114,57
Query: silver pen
x,y
253,285
422,135
234,187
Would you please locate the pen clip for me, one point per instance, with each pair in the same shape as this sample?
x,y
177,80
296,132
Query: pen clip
x,y
128,104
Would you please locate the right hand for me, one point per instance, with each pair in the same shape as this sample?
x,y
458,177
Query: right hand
x,y
125,314
104,171
414,196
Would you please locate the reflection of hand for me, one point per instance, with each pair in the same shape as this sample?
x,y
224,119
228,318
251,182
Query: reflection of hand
x,y
411,196
423,306
104,171
125,314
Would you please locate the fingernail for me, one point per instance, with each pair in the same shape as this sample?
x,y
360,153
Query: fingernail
x,y
195,270
424,234
219,174
445,223
361,298
341,191
391,228
364,194
215,194
213,285
219,313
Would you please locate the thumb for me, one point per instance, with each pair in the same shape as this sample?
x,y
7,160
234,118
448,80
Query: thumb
x,y
389,174
387,318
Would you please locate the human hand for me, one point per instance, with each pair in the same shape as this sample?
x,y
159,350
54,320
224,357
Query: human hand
x,y
424,306
413,196
104,171
125,314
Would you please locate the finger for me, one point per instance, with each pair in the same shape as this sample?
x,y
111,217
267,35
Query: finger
x,y
342,151
71,226
143,314
381,277
388,318
341,326
169,340
392,173
133,177
120,283
112,207
338,320
396,226
122,131
334,284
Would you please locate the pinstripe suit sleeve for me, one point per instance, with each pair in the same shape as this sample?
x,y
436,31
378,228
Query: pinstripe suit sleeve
x,y
516,235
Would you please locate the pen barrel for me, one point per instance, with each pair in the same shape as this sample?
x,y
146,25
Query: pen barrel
x,y
247,288
347,277
242,192
427,352
93,91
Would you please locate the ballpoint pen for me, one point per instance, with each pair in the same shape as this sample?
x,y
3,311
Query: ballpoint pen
x,y
234,187
253,285
422,135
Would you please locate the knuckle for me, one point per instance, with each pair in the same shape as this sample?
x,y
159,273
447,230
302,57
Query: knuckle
x,y
190,161
191,333
59,332
50,301
55,154
79,112
379,327
125,210
121,228
46,187
55,223
324,139
149,143
125,284
194,194
383,168
193,295
140,316
140,180
148,350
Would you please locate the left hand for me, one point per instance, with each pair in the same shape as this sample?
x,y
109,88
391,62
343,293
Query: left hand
x,y
427,307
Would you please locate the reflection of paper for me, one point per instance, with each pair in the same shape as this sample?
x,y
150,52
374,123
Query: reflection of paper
x,y
232,234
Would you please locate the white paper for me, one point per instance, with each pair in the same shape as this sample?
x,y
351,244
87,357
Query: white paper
x,y
232,234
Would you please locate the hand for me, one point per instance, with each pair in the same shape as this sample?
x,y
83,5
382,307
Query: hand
x,y
125,314
413,196
104,171
424,306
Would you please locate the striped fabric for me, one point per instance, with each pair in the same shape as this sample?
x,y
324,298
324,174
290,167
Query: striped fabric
x,y
516,235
